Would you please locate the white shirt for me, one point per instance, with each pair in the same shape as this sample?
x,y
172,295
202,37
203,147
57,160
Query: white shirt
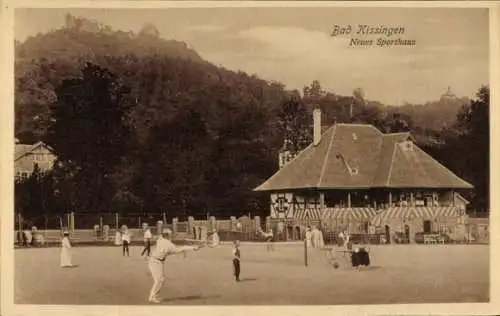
x,y
165,247
126,236
147,234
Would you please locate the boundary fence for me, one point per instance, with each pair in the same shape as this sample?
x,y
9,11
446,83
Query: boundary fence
x,y
103,227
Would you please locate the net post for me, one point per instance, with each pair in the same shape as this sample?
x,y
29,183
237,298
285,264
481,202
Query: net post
x,y
305,253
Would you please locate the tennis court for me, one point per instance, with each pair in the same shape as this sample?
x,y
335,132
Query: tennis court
x,y
399,274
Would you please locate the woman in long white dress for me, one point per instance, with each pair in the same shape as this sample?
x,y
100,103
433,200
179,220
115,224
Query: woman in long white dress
x,y
66,251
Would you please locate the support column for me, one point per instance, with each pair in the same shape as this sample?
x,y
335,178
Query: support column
x,y
390,199
175,221
452,198
322,201
412,200
348,199
72,223
191,226
212,223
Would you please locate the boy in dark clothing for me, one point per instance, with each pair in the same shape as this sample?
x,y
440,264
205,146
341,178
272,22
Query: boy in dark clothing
x,y
236,260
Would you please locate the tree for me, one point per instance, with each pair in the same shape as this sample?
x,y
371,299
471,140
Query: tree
x,y
88,129
398,122
313,93
474,139
295,125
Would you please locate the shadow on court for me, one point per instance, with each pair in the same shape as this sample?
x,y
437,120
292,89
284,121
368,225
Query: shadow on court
x,y
189,298
71,267
248,280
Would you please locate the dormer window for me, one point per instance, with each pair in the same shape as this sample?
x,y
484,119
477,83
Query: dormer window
x,y
407,145
354,136
354,171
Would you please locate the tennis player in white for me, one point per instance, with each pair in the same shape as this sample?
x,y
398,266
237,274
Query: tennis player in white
x,y
163,248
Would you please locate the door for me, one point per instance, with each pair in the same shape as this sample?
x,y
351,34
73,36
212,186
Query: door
x,y
427,227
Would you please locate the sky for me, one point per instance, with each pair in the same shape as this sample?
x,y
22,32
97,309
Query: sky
x,y
294,46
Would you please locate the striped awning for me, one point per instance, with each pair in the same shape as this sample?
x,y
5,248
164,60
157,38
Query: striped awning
x,y
414,212
355,213
309,213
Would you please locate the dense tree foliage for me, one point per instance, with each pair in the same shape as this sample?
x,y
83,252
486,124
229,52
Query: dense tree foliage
x,y
143,124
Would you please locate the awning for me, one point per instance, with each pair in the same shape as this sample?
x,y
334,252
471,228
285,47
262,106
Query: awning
x,y
414,212
355,213
311,213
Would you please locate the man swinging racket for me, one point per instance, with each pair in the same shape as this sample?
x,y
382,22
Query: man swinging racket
x,y
164,247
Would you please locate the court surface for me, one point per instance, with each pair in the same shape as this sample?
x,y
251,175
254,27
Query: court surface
x,y
399,274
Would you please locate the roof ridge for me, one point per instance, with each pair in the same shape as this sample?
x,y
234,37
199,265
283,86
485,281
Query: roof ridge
x,y
326,156
390,166
418,163
361,124
398,133
287,165
381,145
443,166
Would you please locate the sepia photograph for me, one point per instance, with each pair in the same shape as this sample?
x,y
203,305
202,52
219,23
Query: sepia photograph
x,y
227,156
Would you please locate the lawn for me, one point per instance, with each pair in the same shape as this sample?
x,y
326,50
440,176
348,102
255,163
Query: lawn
x,y
399,274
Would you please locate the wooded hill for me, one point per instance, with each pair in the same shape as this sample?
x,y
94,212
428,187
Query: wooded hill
x,y
144,124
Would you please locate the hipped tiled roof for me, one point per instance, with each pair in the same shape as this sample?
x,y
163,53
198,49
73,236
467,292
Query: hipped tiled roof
x,y
380,161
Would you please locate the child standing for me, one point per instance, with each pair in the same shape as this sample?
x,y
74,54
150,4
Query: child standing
x,y
236,260
147,240
125,240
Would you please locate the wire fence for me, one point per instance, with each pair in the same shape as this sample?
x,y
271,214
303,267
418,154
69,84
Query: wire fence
x,y
102,228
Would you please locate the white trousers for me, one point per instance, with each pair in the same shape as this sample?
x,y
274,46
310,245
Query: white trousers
x,y
156,268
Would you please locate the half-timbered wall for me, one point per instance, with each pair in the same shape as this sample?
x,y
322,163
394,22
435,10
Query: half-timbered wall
x,y
290,205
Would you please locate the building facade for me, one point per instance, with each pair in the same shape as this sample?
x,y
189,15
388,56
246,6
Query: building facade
x,y
357,178
27,156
